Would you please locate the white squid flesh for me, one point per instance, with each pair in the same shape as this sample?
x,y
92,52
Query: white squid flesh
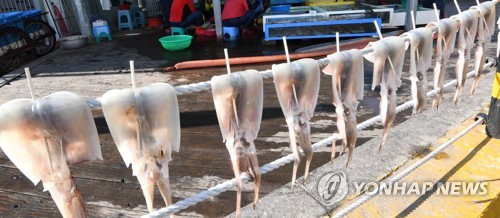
x,y
485,30
297,87
347,71
420,61
42,137
447,32
238,99
145,126
388,58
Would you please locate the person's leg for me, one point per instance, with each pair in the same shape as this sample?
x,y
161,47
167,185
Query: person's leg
x,y
195,18
233,22
427,3
441,4
248,19
166,5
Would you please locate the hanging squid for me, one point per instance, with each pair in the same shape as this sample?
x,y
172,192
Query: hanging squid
x,y
485,30
347,73
420,61
466,35
42,137
447,32
238,99
145,126
387,57
297,87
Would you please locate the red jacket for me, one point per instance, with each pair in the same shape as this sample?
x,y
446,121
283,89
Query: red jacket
x,y
234,9
177,9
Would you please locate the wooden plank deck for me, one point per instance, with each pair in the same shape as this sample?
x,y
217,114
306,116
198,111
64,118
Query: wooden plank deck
x,y
108,187
110,190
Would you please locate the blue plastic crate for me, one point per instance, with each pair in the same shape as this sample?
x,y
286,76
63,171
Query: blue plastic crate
x,y
11,19
287,2
34,14
321,25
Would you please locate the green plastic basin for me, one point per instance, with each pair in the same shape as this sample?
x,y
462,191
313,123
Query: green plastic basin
x,y
176,43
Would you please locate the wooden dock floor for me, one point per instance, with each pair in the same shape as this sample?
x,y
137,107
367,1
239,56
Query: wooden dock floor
x,y
110,190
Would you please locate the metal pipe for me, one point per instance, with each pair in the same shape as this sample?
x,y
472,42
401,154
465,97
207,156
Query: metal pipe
x,y
411,5
218,19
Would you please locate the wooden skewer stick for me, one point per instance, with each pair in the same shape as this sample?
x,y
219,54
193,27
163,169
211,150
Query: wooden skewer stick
x,y
498,45
378,30
338,41
132,74
436,11
30,85
458,7
286,50
288,61
337,37
233,100
414,27
138,120
413,20
227,61
381,37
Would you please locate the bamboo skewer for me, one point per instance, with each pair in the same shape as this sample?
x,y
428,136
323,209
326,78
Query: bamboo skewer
x,y
233,100
288,61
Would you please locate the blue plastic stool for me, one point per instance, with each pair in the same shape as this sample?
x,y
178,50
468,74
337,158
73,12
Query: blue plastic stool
x,y
231,33
125,20
101,32
178,31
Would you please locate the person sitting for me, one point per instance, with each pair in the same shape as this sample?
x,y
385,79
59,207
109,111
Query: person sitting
x,y
207,8
166,5
183,14
238,13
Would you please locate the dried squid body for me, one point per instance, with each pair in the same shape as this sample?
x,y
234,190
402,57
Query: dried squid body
x,y
238,100
297,87
42,137
420,61
145,126
445,45
485,30
387,57
347,73
466,35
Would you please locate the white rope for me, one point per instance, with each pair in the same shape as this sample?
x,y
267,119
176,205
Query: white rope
x,y
216,190
367,197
